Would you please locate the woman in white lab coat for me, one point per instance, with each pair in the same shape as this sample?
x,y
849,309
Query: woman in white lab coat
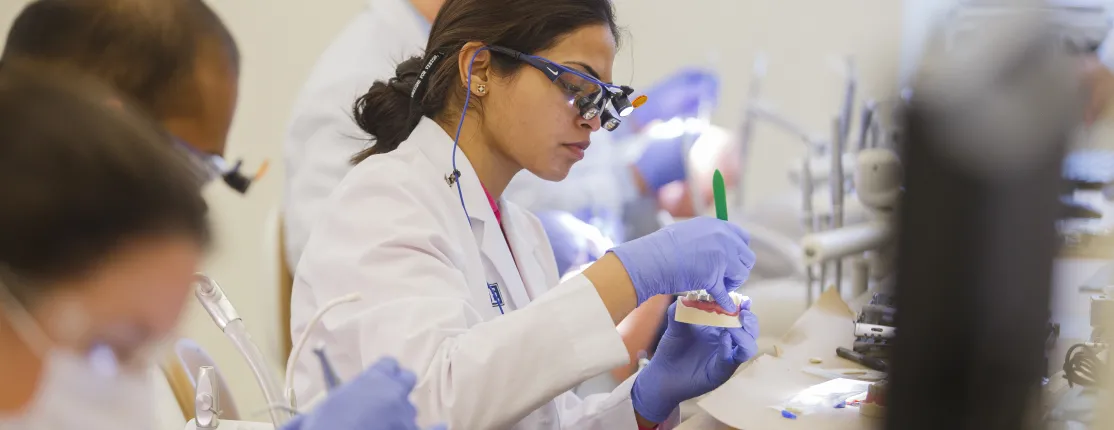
x,y
461,285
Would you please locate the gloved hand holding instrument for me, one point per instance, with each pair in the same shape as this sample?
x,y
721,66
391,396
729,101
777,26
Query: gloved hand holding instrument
x,y
697,254
378,399
692,360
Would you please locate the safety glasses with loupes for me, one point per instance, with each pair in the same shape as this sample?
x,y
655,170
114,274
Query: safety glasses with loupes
x,y
588,94
212,166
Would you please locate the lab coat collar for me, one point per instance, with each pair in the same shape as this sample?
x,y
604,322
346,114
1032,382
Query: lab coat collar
x,y
437,146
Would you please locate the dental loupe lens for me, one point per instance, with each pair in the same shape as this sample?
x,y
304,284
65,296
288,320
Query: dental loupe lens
x,y
587,110
590,113
610,123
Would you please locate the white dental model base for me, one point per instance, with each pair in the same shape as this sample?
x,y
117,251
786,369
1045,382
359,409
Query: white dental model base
x,y
697,316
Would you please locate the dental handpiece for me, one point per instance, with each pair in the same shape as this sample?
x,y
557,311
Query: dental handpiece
x,y
216,303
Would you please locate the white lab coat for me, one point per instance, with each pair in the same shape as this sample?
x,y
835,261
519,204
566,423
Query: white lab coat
x,y
323,137
394,231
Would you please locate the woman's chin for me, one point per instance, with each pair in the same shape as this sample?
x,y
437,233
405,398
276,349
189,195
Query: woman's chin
x,y
553,173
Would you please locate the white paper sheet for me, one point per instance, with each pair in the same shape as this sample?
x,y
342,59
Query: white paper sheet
x,y
744,401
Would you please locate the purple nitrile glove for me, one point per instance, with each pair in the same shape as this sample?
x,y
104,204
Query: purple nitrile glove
x,y
378,399
692,360
698,254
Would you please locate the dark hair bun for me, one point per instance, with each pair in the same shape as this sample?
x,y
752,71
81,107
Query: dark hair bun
x,y
386,113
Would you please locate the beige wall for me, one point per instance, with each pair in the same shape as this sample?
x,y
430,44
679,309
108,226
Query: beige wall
x,y
281,39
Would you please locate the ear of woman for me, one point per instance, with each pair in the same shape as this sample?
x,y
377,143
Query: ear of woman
x,y
474,66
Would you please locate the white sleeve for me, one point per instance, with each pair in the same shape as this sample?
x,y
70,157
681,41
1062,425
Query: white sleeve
x,y
378,238
320,144
605,411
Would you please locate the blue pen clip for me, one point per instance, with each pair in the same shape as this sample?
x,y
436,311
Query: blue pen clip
x,y
331,379
496,297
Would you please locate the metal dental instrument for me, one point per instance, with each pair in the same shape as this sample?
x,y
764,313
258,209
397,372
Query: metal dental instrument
x,y
839,145
868,131
330,374
836,183
847,110
296,352
720,196
758,73
807,218
719,193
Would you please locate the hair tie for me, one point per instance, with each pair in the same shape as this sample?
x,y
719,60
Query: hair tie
x,y
435,58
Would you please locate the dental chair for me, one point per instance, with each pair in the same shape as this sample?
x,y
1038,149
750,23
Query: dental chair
x,y
169,413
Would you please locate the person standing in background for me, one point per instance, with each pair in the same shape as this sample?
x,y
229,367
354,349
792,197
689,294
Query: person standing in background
x,y
102,230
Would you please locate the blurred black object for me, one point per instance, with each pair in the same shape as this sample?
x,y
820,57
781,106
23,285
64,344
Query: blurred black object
x,y
986,133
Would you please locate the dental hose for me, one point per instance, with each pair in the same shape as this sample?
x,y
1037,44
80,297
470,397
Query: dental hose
x,y
218,306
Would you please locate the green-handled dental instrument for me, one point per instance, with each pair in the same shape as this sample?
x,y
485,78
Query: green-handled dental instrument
x,y
720,195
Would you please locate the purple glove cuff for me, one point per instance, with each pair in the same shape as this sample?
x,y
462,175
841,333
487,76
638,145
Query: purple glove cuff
x,y
648,409
644,288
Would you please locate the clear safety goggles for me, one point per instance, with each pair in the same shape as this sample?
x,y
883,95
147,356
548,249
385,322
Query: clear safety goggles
x,y
589,95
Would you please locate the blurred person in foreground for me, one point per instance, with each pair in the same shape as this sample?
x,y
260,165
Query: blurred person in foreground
x,y
103,230
174,59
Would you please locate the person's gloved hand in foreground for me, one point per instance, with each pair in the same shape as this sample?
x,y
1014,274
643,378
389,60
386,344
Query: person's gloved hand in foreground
x,y
378,399
698,254
691,360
